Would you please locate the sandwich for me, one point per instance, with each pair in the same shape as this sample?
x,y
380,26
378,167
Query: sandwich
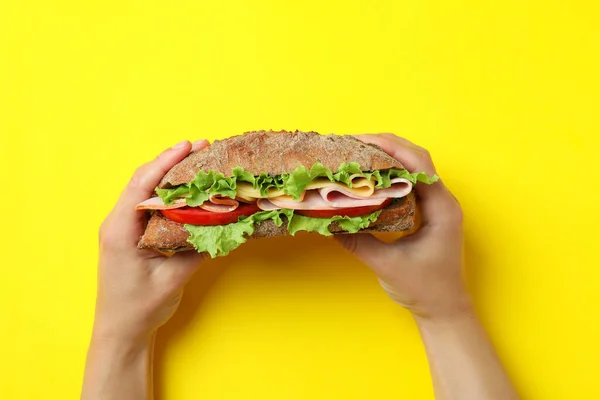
x,y
263,184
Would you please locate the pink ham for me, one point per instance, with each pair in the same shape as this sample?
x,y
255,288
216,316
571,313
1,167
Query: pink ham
x,y
220,204
215,204
156,203
400,187
312,201
338,197
266,205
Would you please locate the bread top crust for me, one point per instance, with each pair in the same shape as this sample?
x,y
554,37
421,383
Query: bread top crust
x,y
277,153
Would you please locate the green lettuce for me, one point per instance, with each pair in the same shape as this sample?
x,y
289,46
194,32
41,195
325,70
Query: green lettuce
x,y
321,225
210,183
221,239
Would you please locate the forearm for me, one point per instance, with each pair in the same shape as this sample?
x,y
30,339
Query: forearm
x,y
118,370
462,360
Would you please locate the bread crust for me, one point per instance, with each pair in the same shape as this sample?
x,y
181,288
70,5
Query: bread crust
x,y
165,235
277,153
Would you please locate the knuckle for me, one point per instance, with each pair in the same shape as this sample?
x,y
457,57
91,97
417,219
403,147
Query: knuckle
x,y
138,177
108,237
172,288
424,152
104,236
350,242
103,228
457,215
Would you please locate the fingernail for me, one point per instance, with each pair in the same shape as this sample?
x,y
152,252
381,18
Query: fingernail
x,y
180,145
201,141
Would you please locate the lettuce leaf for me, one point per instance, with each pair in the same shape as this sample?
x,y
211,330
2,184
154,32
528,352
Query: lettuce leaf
x,y
221,239
167,195
321,225
209,183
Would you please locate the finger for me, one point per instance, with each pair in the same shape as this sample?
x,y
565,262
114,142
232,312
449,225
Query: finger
x,y
364,246
413,157
438,205
200,144
148,176
141,187
179,268
401,140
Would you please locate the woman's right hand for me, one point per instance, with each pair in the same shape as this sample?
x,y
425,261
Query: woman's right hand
x,y
423,271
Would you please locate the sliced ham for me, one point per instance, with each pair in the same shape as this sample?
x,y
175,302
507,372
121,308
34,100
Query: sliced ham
x,y
220,204
312,201
156,203
339,198
400,187
266,205
215,204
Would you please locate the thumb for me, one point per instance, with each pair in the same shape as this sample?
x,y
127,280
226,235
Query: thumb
x,y
363,245
183,265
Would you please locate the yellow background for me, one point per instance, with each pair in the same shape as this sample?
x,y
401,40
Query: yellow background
x,y
505,95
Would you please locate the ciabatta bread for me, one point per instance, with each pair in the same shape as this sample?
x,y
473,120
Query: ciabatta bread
x,y
276,153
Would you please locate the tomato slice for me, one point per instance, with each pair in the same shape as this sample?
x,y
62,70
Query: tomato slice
x,y
198,216
344,212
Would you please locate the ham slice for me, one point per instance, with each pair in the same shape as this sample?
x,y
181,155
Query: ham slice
x,y
156,203
339,198
215,204
220,204
400,187
266,205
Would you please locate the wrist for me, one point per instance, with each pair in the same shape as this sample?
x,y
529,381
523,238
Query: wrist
x,y
118,368
121,349
460,307
460,315
120,332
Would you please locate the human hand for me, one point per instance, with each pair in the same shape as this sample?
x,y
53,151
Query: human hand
x,y
423,271
139,290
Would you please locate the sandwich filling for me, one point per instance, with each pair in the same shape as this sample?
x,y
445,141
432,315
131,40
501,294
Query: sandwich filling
x,y
220,212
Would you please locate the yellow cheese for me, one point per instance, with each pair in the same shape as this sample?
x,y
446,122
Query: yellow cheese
x,y
361,186
286,197
246,190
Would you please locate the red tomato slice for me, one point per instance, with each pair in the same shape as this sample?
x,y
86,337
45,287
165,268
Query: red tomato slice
x,y
198,216
344,212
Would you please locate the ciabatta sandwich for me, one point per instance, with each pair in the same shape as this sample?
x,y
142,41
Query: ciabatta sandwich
x,y
265,184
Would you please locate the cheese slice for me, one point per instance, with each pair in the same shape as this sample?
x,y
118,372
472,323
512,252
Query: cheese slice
x,y
247,191
311,200
361,186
